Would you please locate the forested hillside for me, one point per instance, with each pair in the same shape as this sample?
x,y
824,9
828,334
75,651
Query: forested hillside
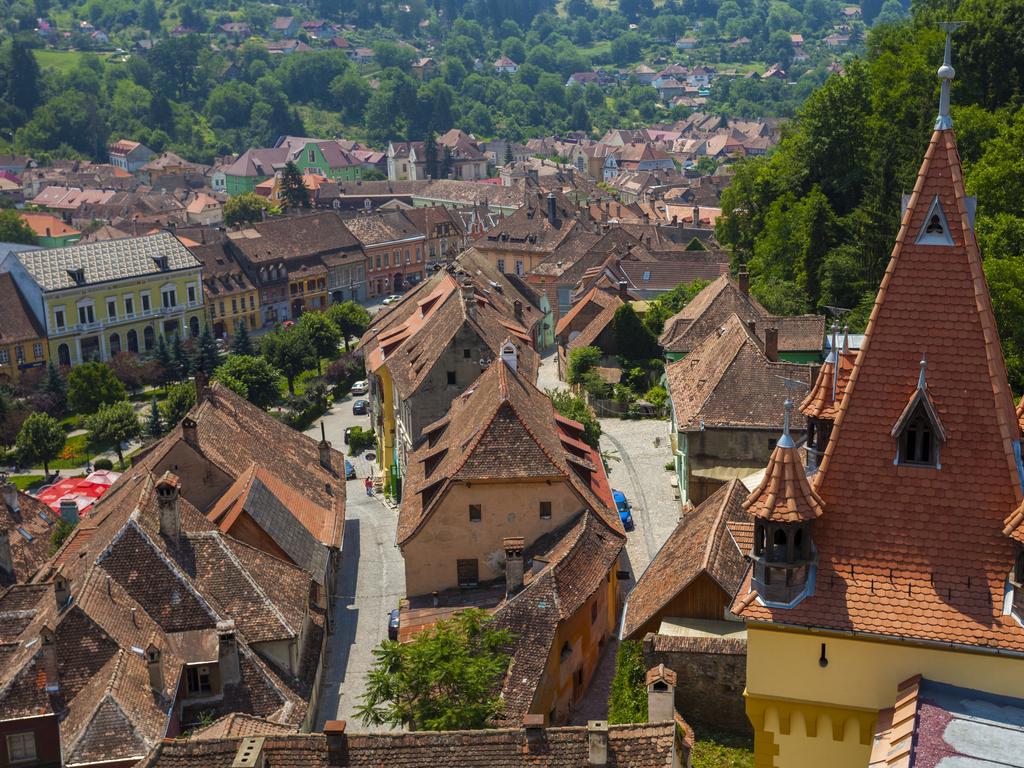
x,y
816,220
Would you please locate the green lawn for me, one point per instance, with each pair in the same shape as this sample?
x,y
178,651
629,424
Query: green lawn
x,y
24,482
301,379
718,751
65,61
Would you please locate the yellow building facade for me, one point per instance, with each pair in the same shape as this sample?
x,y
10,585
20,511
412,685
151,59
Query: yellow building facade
x,y
22,341
98,299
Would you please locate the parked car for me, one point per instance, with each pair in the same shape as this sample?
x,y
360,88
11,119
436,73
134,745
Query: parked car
x,y
350,471
361,407
348,435
392,299
361,387
625,511
393,621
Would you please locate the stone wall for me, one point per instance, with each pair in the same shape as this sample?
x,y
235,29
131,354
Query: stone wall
x,y
712,673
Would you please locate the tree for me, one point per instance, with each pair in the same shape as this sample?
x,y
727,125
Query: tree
x,y
323,335
207,356
164,359
634,340
14,229
352,319
241,344
445,678
113,424
581,361
23,87
53,385
628,700
180,399
290,351
181,364
40,439
258,378
155,425
61,530
92,385
247,208
575,407
294,193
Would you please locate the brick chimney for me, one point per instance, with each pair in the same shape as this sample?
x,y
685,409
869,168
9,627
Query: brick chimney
x,y
49,648
69,510
623,290
469,297
227,653
696,215
325,450
6,555
250,753
154,662
744,281
337,742
188,429
771,344
61,590
513,546
517,309
202,381
168,489
661,691
597,742
10,495
552,215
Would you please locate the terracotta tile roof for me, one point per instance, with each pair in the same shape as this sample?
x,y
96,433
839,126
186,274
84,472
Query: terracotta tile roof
x,y
47,225
383,228
784,494
502,427
820,403
722,298
223,275
528,230
322,234
885,564
896,727
727,381
28,530
237,725
575,569
742,532
700,544
605,302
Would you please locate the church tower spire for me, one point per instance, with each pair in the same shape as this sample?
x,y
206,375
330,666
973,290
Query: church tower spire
x,y
946,74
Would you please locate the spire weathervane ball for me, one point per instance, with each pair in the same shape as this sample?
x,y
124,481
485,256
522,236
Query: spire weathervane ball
x,y
946,74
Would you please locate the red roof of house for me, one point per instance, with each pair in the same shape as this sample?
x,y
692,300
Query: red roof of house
x,y
84,490
909,551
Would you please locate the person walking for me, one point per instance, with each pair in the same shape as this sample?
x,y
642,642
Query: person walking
x,y
368,483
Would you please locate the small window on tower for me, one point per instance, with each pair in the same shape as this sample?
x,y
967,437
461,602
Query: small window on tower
x,y
936,229
918,440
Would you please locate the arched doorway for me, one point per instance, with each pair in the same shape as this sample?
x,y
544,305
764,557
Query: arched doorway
x,y
133,341
115,343
148,338
193,327
63,355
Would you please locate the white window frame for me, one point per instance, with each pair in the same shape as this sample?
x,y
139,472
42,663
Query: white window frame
x,y
192,293
170,289
25,739
90,309
60,318
111,301
146,302
129,305
37,351
5,357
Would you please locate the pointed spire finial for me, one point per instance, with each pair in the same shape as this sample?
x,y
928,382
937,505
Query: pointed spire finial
x,y
920,376
846,339
946,74
786,440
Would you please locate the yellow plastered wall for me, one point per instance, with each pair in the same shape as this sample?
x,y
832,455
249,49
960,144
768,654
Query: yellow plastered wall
x,y
386,435
805,714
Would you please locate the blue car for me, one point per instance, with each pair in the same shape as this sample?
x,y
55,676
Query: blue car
x,y
393,622
350,471
625,511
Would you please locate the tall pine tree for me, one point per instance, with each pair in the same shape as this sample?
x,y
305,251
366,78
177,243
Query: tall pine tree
x,y
207,355
242,344
293,189
155,425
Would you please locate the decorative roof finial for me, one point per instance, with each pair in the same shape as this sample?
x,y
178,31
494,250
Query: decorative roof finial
x,y
786,440
946,73
846,339
920,376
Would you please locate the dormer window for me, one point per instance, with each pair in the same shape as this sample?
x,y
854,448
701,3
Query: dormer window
x,y
918,431
161,263
936,229
77,275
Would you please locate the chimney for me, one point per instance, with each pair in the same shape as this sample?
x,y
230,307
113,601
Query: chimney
x,y
517,309
696,215
61,590
337,743
661,691
597,738
469,298
69,510
744,281
227,652
167,491
771,344
250,753
188,429
552,218
513,546
533,725
510,355
623,290
6,556
156,668
202,381
49,643
10,494
325,450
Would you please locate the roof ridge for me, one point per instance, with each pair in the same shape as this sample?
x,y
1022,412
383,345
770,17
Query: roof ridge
x,y
717,523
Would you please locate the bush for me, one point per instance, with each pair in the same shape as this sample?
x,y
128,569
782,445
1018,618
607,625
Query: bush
x,y
301,410
595,386
624,395
581,361
628,700
360,440
670,466
344,372
575,407
102,464
656,395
